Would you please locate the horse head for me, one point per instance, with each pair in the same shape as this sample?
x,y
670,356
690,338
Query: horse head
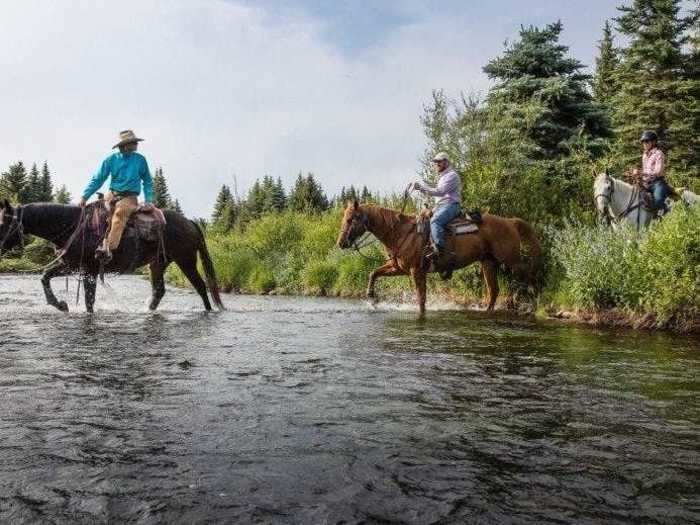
x,y
353,225
603,188
10,226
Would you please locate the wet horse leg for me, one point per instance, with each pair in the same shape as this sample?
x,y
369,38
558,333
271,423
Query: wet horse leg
x,y
157,284
386,270
57,270
488,270
419,279
189,268
90,285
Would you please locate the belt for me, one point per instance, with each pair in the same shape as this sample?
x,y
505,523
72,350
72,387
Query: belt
x,y
122,194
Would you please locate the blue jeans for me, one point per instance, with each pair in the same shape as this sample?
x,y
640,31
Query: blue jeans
x,y
660,191
442,216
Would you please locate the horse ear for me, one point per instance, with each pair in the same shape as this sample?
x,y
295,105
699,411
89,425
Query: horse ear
x,y
355,204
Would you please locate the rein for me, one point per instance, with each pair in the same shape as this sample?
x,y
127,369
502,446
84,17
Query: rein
x,y
16,225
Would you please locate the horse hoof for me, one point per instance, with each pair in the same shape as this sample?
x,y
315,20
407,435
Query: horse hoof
x,y
63,306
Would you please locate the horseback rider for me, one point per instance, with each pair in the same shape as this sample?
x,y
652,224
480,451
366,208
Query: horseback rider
x,y
448,207
653,171
128,170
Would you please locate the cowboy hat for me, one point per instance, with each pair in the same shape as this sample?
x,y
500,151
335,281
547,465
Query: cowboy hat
x,y
126,137
441,156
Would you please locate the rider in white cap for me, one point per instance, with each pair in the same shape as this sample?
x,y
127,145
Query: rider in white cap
x,y
449,194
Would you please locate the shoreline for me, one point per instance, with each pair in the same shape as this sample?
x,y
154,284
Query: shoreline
x,y
610,318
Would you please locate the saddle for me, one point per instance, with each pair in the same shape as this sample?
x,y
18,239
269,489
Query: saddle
x,y
147,225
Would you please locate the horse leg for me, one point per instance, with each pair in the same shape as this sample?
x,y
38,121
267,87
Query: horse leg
x,y
54,271
157,284
189,268
419,278
90,286
488,270
386,270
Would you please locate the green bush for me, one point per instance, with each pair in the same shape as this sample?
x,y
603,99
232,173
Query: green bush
x,y
319,277
261,279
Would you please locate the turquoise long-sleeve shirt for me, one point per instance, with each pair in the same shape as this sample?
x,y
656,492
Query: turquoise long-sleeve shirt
x,y
128,171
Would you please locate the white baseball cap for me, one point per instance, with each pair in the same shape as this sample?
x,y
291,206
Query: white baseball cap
x,y
441,156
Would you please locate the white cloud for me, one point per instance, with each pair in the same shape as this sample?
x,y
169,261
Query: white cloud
x,y
217,88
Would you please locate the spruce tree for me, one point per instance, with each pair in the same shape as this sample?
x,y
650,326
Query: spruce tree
x,y
307,195
544,94
13,183
62,195
604,86
33,188
161,195
176,207
657,88
46,194
222,200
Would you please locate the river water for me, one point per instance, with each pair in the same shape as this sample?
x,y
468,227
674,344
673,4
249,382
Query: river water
x,y
301,410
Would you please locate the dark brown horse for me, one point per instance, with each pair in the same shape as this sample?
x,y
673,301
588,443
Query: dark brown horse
x,y
67,228
499,241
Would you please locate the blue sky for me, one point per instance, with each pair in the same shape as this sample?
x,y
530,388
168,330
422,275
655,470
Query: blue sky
x,y
234,87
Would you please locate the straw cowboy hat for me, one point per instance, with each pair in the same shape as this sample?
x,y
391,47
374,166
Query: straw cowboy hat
x,y
441,156
126,137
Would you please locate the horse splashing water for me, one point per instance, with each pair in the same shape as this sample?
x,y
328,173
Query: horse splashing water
x,y
499,241
68,228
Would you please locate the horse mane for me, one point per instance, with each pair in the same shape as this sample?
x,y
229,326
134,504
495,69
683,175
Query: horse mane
x,y
390,217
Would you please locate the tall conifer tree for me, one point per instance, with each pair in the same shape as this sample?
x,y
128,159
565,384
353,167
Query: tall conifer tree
x,y
604,86
657,87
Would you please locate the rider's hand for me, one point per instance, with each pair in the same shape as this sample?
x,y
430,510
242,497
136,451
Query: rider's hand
x,y
418,185
147,206
82,202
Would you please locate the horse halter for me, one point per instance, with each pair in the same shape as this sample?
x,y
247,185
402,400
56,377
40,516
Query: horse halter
x,y
607,211
352,225
15,225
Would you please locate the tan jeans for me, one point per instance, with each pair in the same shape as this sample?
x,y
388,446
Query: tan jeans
x,y
123,209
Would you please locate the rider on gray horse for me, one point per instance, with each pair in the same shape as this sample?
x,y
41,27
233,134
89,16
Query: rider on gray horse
x,y
653,171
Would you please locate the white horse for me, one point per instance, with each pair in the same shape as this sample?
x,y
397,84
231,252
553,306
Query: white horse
x,y
690,198
619,201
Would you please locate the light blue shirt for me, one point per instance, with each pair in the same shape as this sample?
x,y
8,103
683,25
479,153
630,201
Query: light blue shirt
x,y
128,171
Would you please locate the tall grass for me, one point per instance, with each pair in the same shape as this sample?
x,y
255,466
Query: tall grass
x,y
654,273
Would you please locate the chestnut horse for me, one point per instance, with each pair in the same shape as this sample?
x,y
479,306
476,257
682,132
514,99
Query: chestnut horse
x,y
499,241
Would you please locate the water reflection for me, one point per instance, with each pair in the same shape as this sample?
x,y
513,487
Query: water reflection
x,y
307,411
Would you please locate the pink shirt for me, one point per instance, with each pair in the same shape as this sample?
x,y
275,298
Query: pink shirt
x,y
448,189
652,165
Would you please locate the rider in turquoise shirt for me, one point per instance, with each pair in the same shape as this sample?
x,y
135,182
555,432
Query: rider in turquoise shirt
x,y
128,170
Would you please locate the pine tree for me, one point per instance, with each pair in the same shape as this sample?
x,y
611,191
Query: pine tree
x,y
255,203
544,94
307,195
46,193
366,195
33,188
222,200
176,207
604,86
657,87
62,195
13,183
161,195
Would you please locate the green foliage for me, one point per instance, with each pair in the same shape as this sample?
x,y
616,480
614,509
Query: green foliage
x,y
543,93
307,195
62,195
659,86
13,183
657,271
161,194
606,64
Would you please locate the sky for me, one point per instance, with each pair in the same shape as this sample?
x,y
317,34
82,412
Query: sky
x,y
226,90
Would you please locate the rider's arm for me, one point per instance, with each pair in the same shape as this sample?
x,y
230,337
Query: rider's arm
x,y
447,184
98,179
147,182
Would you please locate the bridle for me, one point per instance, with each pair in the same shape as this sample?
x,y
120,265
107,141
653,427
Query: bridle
x,y
608,196
14,226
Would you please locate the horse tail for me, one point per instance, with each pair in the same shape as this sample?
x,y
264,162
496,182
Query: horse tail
x,y
208,266
530,250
